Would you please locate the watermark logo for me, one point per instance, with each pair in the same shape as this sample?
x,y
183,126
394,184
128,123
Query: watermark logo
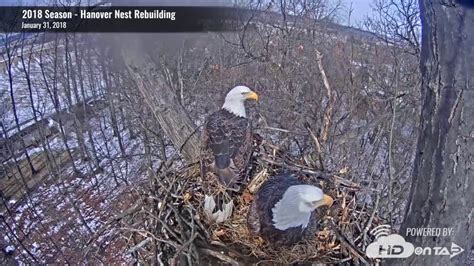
x,y
389,245
453,251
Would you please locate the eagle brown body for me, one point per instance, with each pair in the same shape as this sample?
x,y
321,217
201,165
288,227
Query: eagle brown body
x,y
227,147
260,215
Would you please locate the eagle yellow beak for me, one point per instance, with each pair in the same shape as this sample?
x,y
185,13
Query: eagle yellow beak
x,y
327,200
252,96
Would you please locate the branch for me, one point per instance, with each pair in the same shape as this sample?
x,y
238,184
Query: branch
x,y
319,174
317,144
220,256
329,107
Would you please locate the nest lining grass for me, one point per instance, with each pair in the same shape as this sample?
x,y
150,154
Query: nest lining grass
x,y
186,233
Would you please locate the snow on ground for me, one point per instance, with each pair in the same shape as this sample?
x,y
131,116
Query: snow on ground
x,y
66,211
41,98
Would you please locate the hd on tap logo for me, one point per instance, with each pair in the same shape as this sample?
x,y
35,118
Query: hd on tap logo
x,y
387,245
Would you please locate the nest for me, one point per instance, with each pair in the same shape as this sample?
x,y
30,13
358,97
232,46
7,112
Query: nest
x,y
182,231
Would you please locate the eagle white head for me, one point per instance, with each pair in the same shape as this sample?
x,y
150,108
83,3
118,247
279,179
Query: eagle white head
x,y
295,207
235,98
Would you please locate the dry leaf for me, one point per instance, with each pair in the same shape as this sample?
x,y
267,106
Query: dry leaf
x,y
247,197
187,196
344,170
219,232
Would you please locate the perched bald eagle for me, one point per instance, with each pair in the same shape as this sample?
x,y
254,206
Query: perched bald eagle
x,y
283,210
227,139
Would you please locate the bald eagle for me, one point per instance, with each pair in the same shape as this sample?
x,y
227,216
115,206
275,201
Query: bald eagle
x,y
227,139
283,210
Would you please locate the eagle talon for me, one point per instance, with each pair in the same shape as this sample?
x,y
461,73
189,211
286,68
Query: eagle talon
x,y
220,215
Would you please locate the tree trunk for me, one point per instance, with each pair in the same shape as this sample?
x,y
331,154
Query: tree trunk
x,y
442,193
178,127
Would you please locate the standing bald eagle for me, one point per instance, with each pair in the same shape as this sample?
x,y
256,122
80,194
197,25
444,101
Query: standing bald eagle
x,y
283,210
227,139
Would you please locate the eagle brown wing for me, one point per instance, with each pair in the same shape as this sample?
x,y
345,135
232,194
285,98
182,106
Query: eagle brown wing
x,y
227,146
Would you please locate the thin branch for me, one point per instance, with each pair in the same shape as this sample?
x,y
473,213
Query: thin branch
x,y
329,93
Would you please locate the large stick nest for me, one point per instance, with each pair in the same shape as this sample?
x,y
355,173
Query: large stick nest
x,y
174,227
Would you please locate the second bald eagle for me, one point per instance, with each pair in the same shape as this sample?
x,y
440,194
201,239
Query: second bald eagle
x,y
283,210
227,138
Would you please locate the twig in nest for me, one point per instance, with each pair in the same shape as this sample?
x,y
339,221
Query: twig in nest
x,y
145,233
273,147
371,219
257,181
220,256
185,245
344,242
320,174
284,130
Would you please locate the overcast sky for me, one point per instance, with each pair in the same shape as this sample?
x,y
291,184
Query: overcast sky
x,y
361,8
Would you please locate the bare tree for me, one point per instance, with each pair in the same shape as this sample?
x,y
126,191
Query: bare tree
x,y
397,22
11,50
160,98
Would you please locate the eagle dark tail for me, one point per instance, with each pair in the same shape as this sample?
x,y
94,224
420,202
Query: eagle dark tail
x,y
227,177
